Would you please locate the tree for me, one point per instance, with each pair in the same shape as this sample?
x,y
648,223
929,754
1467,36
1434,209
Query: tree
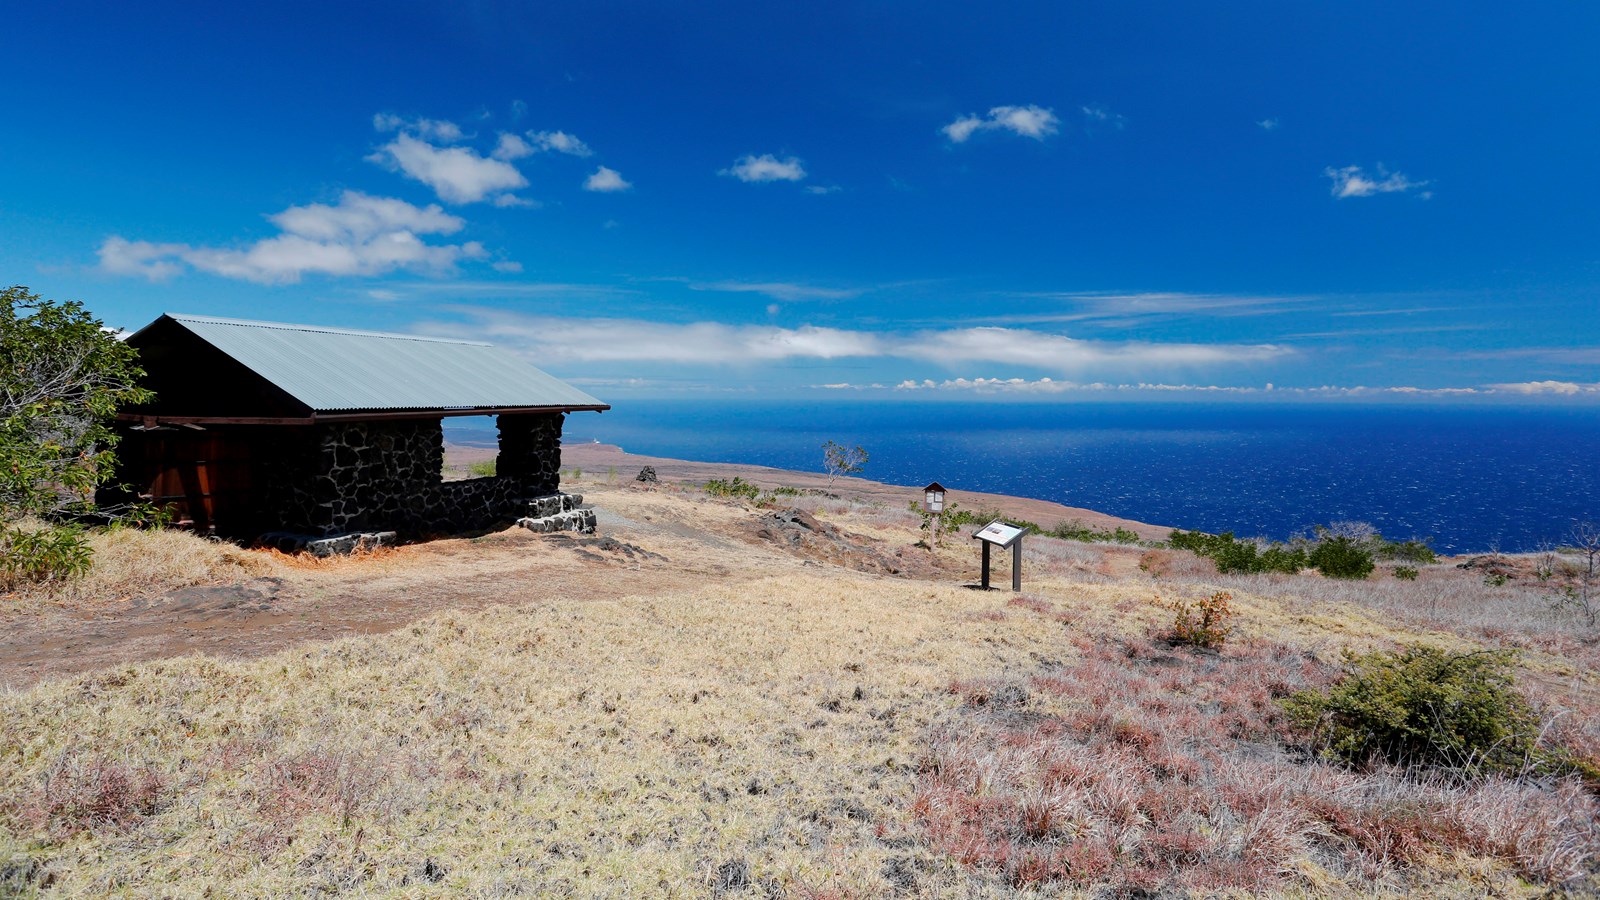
x,y
1581,591
838,459
62,377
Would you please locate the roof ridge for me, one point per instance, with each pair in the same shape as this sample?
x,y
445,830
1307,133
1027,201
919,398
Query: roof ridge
x,y
320,329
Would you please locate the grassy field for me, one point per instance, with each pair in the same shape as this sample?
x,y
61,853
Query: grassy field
x,y
788,727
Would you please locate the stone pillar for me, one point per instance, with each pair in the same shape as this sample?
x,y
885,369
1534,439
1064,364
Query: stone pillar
x,y
530,451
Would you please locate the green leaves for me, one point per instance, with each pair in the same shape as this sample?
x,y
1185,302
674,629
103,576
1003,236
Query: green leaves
x,y
1424,706
62,377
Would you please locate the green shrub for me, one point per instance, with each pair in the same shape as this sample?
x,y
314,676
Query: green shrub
x,y
1239,557
1423,706
1073,530
42,554
483,469
1341,557
1413,551
738,487
1405,573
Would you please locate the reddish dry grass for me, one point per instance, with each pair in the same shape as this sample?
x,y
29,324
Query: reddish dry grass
x,y
80,794
1163,769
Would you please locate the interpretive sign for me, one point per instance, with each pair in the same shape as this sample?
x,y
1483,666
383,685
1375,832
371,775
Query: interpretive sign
x,y
1002,534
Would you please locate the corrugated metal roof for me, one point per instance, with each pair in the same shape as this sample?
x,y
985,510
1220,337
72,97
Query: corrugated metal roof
x,y
335,370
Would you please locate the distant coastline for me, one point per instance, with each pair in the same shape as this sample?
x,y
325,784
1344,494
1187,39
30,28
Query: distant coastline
x,y
610,462
1471,479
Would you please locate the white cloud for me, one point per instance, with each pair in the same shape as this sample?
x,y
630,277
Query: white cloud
x,y
120,256
714,342
616,340
360,235
1035,122
1557,388
507,265
1353,181
766,167
1060,353
560,142
432,129
1052,386
1268,124
820,189
511,147
456,174
606,180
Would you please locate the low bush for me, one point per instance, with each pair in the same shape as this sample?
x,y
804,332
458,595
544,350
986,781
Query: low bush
x,y
1341,557
1202,623
1234,556
1424,706
482,469
738,488
42,554
1405,573
1337,550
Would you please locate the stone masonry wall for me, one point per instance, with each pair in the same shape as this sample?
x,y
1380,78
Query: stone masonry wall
x,y
385,476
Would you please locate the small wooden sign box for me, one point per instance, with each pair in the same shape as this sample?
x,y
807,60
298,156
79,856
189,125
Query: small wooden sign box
x,y
1001,534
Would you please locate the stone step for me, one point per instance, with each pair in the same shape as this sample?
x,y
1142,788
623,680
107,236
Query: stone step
x,y
580,520
553,504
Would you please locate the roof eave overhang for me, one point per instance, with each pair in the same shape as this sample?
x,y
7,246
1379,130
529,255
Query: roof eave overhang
x,y
356,415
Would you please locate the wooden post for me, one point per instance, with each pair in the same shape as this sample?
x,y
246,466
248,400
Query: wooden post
x,y
1016,565
986,565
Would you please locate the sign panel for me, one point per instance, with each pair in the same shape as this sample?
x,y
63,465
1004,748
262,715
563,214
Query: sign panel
x,y
998,532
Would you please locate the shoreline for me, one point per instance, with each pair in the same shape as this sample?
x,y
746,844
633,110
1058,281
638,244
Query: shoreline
x,y
592,457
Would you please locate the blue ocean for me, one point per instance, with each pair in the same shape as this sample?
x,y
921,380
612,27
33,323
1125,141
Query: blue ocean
x,y
1469,478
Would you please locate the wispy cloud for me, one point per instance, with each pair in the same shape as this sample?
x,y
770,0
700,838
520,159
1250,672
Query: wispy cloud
x,y
766,167
1057,352
1353,181
512,147
606,181
1556,388
632,340
1268,124
778,290
1051,386
714,342
1100,116
359,235
559,142
456,174
1089,306
1035,122
430,129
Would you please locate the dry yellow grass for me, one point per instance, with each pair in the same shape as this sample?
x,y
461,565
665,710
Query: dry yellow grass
x,y
617,748
762,735
127,561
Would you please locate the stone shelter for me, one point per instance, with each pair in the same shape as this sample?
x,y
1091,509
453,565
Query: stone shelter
x,y
329,439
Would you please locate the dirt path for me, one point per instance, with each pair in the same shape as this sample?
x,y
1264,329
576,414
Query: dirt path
x,y
649,542
660,541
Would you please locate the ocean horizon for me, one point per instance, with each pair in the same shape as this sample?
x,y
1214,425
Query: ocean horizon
x,y
1470,479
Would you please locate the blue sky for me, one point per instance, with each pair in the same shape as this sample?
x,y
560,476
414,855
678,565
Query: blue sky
x,y
896,200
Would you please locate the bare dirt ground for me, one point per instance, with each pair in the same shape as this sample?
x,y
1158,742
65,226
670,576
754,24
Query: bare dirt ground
x,y
651,539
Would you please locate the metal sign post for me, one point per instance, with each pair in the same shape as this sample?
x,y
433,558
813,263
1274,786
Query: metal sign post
x,y
1003,535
